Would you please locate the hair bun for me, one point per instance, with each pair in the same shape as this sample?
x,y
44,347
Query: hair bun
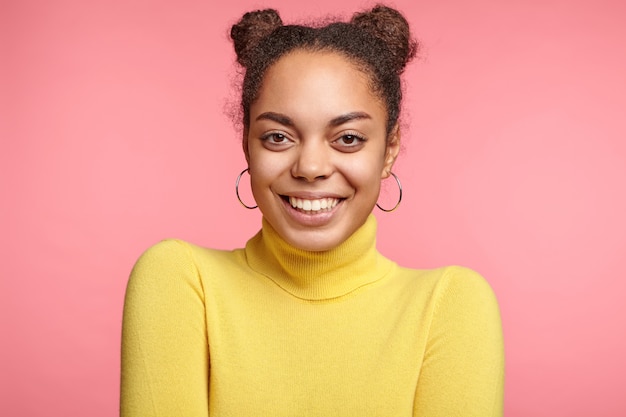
x,y
392,28
253,27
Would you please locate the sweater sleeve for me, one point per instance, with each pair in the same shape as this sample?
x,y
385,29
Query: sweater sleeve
x,y
463,368
165,361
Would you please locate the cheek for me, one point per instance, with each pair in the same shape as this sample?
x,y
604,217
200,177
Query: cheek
x,y
365,172
258,177
264,170
257,162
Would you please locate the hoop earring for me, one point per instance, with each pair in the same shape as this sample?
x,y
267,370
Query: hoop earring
x,y
237,190
399,198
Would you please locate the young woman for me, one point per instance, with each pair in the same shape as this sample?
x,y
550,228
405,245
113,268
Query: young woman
x,y
309,319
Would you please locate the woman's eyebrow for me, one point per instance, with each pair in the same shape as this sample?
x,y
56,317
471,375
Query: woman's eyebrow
x,y
348,117
276,117
337,121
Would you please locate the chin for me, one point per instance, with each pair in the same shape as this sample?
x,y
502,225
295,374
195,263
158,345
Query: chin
x,y
318,241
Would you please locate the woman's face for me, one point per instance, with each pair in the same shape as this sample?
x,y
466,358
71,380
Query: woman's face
x,y
317,149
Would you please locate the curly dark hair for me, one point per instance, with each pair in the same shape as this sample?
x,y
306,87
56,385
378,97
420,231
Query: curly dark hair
x,y
377,41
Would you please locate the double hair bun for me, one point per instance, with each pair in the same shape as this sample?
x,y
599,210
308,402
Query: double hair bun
x,y
382,22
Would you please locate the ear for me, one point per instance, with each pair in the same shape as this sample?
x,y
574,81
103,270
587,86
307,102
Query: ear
x,y
392,151
244,145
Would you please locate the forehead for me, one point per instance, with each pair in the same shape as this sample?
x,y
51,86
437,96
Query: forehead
x,y
317,81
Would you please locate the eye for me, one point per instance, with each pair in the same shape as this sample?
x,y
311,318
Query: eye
x,y
349,142
275,140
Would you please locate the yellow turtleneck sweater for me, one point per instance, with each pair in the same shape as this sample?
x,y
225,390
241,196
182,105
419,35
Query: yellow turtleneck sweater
x,y
271,330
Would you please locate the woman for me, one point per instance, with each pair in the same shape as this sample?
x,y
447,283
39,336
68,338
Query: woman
x,y
309,319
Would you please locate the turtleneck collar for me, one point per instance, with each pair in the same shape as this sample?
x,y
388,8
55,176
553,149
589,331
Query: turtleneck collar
x,y
318,275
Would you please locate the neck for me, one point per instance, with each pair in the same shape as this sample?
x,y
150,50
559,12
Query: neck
x,y
319,275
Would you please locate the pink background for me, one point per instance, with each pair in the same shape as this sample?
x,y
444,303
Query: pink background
x,y
114,135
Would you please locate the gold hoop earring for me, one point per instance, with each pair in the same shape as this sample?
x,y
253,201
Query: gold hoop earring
x,y
399,198
237,190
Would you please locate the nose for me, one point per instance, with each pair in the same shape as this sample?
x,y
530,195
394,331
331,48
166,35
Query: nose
x,y
313,161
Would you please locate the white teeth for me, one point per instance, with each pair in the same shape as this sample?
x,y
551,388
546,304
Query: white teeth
x,y
313,205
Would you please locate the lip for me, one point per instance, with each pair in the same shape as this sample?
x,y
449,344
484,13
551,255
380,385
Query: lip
x,y
311,195
310,219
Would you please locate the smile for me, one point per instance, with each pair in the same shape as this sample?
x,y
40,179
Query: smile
x,y
313,206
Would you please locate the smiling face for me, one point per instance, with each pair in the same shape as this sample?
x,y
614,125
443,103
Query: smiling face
x,y
317,148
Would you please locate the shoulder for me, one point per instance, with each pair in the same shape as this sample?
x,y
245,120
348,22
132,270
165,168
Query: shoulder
x,y
464,351
453,294
176,253
164,254
172,260
446,281
458,281
164,266
466,303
